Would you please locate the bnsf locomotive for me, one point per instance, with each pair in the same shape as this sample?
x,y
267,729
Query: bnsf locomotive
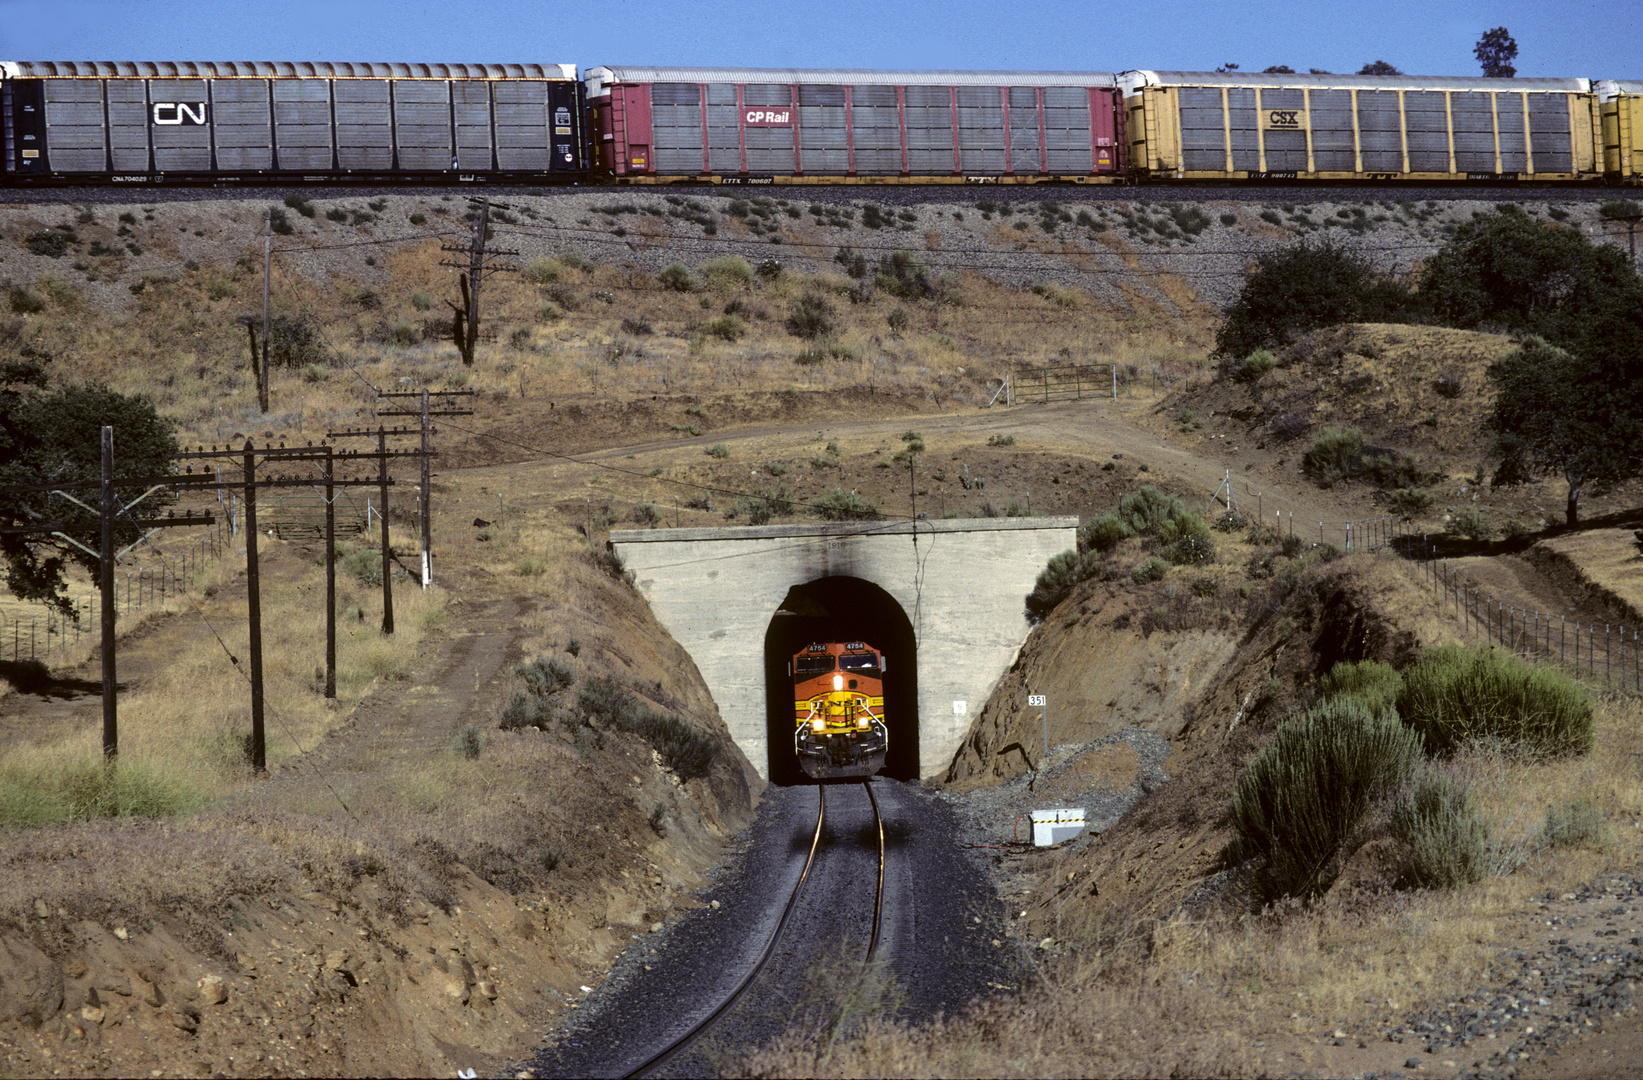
x,y
106,122
838,709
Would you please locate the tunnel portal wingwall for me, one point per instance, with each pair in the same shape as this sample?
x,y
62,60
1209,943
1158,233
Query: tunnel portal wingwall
x,y
961,587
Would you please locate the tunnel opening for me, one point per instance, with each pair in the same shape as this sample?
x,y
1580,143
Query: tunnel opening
x,y
841,609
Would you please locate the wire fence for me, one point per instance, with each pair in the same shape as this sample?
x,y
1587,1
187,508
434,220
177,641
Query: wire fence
x,y
38,635
1607,651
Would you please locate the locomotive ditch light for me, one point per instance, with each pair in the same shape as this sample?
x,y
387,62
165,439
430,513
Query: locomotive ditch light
x,y
818,725
861,723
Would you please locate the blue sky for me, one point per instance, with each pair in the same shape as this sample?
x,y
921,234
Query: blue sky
x,y
1594,38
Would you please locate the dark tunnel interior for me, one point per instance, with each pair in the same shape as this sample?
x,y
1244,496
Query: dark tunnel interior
x,y
842,609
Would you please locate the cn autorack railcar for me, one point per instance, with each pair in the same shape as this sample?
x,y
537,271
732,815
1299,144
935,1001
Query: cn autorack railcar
x,y
789,126
251,122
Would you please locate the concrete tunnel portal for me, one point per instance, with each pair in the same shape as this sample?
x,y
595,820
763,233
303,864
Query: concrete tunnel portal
x,y
943,600
841,609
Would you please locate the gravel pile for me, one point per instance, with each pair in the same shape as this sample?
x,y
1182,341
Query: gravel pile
x,y
994,817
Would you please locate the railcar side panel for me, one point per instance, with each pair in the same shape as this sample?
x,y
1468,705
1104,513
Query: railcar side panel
x,y
154,122
736,127
1620,126
1215,126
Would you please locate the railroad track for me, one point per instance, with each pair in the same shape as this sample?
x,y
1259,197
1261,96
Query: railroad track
x,y
689,1038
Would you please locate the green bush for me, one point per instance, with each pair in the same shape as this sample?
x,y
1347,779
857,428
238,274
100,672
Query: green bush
x,y
1192,551
1184,525
677,277
1301,805
1334,456
718,450
1058,578
1374,684
23,302
469,742
1452,696
1472,523
1302,288
726,272
1407,502
279,223
727,327
1146,509
300,205
544,271
1251,367
1576,822
812,317
421,301
1152,570
1104,533
760,508
841,505
1444,839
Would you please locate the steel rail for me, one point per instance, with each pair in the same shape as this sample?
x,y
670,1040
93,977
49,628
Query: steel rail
x,y
878,899
685,1040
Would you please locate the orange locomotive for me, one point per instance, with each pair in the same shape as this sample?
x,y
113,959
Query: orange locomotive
x,y
838,709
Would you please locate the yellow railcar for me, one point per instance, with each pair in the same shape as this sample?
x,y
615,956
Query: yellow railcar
x,y
1620,109
1187,126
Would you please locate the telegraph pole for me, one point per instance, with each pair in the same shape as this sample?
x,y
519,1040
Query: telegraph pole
x,y
465,329
267,265
105,579
259,749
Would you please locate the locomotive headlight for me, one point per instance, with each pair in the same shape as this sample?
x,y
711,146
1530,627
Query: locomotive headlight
x,y
818,725
861,723
838,682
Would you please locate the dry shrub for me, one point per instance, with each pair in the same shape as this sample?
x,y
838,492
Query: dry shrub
x,y
1301,805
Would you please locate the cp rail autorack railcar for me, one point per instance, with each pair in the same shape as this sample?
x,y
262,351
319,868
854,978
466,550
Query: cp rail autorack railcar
x,y
764,126
838,709
259,122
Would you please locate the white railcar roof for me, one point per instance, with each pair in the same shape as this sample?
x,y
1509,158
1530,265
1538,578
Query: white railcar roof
x,y
273,69
633,73
1613,88
1135,79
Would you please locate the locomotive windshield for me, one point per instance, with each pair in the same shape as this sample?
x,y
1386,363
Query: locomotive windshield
x,y
861,663
812,664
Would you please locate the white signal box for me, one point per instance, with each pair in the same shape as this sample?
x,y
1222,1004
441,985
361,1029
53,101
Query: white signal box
x,y
1054,826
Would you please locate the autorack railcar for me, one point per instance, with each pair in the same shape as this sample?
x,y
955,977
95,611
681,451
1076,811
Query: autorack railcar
x,y
790,126
838,709
258,122
1620,111
1192,125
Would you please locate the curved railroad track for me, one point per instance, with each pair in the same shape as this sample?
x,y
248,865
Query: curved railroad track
x,y
683,1042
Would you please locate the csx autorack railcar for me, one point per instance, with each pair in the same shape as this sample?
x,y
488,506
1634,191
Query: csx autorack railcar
x,y
838,709
103,122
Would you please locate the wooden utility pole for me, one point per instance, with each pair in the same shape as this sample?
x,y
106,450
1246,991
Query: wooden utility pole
x,y
267,265
105,579
426,414
382,516
259,750
427,518
465,319
330,574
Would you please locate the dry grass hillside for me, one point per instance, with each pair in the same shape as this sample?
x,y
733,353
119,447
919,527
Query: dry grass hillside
x,y
529,774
